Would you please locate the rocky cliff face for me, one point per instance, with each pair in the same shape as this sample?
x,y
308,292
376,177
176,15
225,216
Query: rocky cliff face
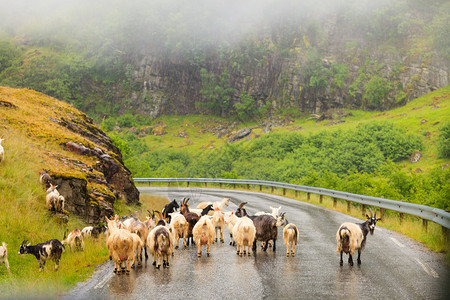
x,y
405,67
81,159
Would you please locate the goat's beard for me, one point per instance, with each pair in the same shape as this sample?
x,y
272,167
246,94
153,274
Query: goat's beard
x,y
371,231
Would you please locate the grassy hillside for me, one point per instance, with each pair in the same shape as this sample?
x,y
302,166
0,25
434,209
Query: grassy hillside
x,y
31,143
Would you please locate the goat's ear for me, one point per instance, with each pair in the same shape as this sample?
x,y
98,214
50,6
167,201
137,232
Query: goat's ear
x,y
379,219
367,216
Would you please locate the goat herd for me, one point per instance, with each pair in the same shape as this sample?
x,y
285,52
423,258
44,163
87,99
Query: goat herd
x,y
128,238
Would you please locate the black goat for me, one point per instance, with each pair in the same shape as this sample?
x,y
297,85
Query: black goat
x,y
266,227
170,208
52,249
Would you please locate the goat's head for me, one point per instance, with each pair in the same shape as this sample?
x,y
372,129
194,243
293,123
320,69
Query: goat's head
x,y
372,220
175,204
24,247
241,212
281,220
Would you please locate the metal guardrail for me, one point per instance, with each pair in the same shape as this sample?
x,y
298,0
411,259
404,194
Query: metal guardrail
x,y
436,215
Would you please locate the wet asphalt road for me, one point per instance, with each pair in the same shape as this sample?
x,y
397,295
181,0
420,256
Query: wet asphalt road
x,y
393,266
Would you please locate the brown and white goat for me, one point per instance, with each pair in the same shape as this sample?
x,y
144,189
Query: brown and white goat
x,y
74,240
203,233
54,201
351,237
160,244
4,255
120,244
191,218
45,179
290,236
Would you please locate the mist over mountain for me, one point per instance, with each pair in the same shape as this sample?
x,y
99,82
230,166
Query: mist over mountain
x,y
246,58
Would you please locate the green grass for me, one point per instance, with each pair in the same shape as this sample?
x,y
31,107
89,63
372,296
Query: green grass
x,y
24,216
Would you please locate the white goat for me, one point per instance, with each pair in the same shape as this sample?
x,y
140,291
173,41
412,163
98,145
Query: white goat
x,y
230,220
203,233
120,244
244,232
290,236
53,200
216,204
181,228
275,212
4,256
2,151
219,224
74,240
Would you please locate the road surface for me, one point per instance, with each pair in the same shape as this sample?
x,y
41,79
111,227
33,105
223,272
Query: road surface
x,y
393,266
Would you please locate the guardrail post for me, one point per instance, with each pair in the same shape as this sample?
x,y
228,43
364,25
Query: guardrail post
x,y
260,187
284,192
168,184
296,193
334,202
382,210
149,183
348,205
272,188
220,185
425,225
401,218
308,196
445,234
206,184
363,209
187,183
248,186
321,198
234,186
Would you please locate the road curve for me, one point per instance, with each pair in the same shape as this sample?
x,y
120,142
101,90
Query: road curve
x,y
393,266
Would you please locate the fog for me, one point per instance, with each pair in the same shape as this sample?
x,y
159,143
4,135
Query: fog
x,y
149,22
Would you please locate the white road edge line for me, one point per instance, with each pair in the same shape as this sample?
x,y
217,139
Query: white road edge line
x,y
427,269
397,243
103,281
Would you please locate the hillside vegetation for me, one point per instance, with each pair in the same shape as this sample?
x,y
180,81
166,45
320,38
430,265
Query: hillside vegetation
x,y
355,151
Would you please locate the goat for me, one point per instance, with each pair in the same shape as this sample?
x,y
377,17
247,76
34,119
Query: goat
x,y
203,233
160,244
290,236
138,244
216,204
191,218
51,249
142,230
75,240
181,228
170,208
219,224
230,220
351,237
120,244
275,212
207,210
2,151
244,232
4,255
53,200
45,179
266,227
91,231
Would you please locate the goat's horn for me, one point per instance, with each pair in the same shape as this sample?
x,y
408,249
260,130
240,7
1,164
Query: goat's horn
x,y
371,214
375,215
187,200
242,204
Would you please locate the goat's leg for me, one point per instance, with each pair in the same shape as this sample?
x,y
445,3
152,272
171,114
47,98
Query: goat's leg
x,y
178,241
249,252
266,244
207,250
221,236
231,239
199,253
274,244
288,246
341,262
293,249
146,254
350,259
254,246
359,257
